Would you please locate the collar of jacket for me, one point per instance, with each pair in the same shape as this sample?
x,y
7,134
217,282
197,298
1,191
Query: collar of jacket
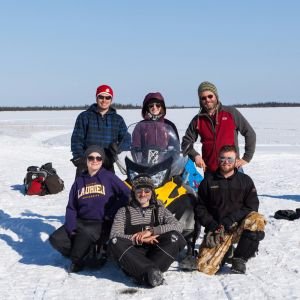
x,y
134,203
94,108
218,175
203,111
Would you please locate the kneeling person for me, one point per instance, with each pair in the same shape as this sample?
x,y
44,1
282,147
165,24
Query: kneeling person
x,y
94,198
145,236
228,209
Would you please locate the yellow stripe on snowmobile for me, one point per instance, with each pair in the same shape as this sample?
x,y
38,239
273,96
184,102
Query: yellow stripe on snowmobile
x,y
169,192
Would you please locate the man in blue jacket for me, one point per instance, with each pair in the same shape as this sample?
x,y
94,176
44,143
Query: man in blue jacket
x,y
98,125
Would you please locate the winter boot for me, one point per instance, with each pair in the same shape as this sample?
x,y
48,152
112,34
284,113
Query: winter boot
x,y
238,265
228,256
75,267
154,277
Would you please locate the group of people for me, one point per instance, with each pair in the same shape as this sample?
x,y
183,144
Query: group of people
x,y
130,223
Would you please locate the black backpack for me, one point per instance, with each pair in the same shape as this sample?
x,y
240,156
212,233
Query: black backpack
x,y
43,180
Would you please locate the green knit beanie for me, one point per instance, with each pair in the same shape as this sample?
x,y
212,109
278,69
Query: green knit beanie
x,y
208,86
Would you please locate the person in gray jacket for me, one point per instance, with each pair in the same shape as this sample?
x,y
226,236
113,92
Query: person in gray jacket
x,y
145,237
216,125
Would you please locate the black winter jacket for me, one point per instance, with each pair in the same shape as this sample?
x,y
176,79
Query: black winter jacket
x,y
225,200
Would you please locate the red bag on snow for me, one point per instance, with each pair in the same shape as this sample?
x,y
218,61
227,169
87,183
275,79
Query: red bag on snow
x,y
37,187
42,181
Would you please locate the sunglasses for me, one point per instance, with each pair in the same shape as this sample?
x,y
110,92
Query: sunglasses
x,y
101,97
207,97
145,190
230,160
92,158
158,105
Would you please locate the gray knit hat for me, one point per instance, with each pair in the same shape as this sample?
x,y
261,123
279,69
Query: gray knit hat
x,y
94,148
142,180
208,86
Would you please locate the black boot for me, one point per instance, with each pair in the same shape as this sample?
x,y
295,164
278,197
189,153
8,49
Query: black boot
x,y
154,277
238,265
75,267
228,256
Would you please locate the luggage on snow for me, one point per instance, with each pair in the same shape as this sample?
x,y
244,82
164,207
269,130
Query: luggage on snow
x,y
42,181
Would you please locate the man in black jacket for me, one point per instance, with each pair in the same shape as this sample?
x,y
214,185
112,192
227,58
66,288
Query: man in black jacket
x,y
227,208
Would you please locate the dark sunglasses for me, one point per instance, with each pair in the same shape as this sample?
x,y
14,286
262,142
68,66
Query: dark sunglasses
x,y
92,158
158,105
101,97
207,97
145,190
230,160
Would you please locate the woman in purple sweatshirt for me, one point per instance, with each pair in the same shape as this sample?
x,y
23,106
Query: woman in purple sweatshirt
x,y
94,198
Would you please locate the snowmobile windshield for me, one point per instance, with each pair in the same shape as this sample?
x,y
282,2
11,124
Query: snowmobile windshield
x,y
154,149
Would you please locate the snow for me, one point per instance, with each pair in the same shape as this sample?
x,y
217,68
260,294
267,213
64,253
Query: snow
x,y
31,269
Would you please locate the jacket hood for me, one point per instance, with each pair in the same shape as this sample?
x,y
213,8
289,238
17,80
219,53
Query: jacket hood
x,y
153,97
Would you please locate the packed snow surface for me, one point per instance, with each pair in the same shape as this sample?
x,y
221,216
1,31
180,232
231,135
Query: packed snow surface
x,y
31,269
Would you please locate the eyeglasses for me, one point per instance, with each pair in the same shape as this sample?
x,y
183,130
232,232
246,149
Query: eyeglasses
x,y
101,97
207,97
158,105
92,158
145,190
230,160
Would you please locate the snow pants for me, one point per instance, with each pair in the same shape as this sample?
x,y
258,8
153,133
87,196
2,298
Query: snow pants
x,y
88,232
136,260
247,236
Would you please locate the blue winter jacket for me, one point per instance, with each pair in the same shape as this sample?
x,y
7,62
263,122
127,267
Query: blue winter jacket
x,y
91,128
95,198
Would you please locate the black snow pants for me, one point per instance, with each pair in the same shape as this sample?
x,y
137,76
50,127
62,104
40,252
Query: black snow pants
x,y
88,232
136,260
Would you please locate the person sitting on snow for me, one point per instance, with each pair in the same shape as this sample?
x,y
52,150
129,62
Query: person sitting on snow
x,y
145,236
94,198
227,208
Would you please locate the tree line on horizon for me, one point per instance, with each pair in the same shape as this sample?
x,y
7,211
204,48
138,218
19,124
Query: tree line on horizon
x,y
131,106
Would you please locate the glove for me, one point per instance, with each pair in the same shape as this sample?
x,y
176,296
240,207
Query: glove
x,y
228,224
113,148
76,161
215,238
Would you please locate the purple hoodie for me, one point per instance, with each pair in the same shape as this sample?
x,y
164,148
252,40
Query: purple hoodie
x,y
93,197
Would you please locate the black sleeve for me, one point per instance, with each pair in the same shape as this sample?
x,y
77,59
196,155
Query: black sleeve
x,y
202,216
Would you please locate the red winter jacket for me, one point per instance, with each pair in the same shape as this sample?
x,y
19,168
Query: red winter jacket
x,y
215,134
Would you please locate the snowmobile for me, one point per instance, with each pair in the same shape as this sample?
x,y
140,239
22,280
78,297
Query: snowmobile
x,y
154,148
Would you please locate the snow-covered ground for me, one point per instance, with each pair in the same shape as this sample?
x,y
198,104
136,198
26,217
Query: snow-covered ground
x,y
31,269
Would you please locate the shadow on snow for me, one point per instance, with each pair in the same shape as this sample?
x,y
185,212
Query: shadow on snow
x,y
284,197
18,187
28,236
29,229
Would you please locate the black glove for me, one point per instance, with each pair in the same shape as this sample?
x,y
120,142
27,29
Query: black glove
x,y
113,148
216,237
229,224
76,161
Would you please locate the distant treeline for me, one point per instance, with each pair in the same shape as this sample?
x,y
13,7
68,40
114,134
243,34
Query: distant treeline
x,y
131,106
269,104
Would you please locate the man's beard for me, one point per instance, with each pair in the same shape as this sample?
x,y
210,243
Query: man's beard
x,y
226,169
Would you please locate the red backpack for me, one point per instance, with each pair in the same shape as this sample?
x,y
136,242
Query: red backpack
x,y
42,181
34,181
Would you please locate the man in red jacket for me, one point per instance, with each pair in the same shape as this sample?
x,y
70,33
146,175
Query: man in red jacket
x,y
217,125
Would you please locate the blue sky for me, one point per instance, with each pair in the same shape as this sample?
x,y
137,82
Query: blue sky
x,y
57,52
